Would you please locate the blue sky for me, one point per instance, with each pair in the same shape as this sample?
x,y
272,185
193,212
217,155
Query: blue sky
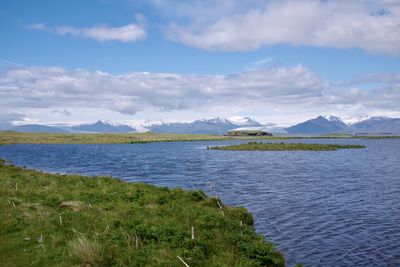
x,y
277,61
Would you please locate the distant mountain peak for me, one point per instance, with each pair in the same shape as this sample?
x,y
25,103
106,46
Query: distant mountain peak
x,y
216,125
102,126
363,117
99,122
332,118
356,119
109,122
243,121
236,121
320,125
216,120
377,124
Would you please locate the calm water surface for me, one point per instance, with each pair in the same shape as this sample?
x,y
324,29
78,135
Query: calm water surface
x,y
339,208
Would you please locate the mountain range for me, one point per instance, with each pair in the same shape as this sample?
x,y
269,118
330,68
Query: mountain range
x,y
211,126
316,126
332,124
319,125
102,127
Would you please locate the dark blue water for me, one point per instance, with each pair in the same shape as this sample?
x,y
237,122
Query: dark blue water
x,y
338,208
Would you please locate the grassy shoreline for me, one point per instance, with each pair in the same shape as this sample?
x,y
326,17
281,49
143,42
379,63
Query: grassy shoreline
x,y
254,146
71,220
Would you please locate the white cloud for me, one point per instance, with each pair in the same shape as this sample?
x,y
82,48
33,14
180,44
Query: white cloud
x,y
373,26
261,63
127,33
292,92
200,11
39,87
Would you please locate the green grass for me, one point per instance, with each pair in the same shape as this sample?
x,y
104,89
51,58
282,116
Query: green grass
x,y
284,147
10,137
71,220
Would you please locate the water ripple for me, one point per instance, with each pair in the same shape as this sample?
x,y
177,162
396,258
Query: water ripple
x,y
339,208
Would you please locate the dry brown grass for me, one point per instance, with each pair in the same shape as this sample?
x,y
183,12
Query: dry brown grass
x,y
73,204
87,252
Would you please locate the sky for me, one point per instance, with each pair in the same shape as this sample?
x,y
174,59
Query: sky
x,y
275,61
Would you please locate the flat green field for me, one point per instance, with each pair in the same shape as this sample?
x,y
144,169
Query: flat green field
x,y
10,137
254,146
70,220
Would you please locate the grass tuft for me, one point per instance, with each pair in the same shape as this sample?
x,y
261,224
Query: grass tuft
x,y
86,252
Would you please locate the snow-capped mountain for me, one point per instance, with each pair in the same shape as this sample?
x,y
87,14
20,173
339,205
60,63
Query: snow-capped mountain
x,y
319,125
332,118
354,125
111,123
355,119
215,120
216,125
243,121
143,125
205,126
377,125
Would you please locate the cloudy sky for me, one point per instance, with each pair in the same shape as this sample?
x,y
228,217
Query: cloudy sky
x,y
275,61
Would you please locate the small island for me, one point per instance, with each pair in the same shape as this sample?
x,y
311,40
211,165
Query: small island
x,y
259,146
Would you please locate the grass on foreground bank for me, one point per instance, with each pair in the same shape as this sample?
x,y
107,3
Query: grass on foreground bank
x,y
284,147
71,220
10,137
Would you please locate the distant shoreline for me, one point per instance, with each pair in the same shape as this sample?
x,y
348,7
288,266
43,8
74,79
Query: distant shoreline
x,y
10,137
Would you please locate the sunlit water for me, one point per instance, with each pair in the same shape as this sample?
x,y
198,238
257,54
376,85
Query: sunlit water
x,y
337,208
